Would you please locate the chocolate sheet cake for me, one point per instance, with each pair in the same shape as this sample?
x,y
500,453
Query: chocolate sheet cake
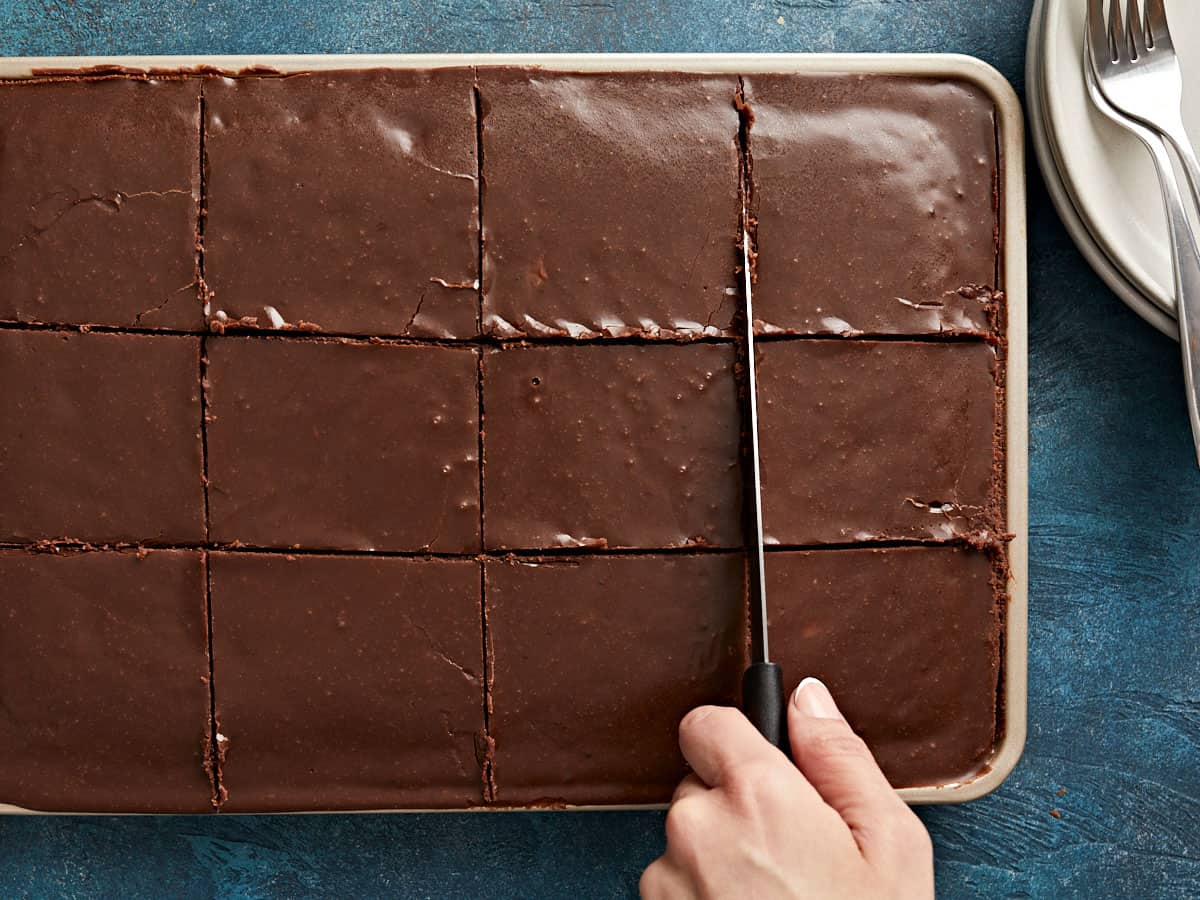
x,y
343,202
907,639
652,428
98,202
426,390
327,444
897,176
590,678
347,682
101,438
104,672
621,216
876,440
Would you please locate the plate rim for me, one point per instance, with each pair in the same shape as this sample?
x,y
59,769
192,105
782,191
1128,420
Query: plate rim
x,y
1064,202
1144,273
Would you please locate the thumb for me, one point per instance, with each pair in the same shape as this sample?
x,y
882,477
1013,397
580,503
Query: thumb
x,y
838,764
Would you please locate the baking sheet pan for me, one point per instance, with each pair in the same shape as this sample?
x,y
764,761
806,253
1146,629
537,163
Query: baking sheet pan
x,y
1013,688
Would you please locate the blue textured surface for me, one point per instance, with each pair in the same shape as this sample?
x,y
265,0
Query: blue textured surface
x,y
1115,534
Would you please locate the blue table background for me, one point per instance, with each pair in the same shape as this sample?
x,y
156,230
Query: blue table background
x,y
1114,716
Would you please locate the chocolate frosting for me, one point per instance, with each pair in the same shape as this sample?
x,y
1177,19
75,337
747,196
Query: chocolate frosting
x,y
875,199
328,444
876,440
99,202
907,639
104,682
100,438
345,201
347,683
611,203
611,446
349,202
596,659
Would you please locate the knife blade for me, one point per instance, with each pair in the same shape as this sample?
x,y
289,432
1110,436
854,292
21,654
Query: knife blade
x,y
762,683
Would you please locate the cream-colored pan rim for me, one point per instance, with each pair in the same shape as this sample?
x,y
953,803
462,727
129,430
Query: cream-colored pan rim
x,y
1014,690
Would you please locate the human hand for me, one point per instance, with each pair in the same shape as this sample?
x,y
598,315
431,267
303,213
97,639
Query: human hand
x,y
751,823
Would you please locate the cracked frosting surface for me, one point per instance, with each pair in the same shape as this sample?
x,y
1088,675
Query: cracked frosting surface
x,y
347,682
611,203
329,444
344,202
875,202
876,440
98,202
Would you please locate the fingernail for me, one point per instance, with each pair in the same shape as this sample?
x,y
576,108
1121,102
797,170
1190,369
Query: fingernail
x,y
813,699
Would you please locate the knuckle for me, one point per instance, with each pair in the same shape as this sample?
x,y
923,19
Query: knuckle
x,y
758,782
690,784
685,823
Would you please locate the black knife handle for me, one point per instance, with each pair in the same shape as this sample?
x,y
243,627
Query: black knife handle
x,y
762,702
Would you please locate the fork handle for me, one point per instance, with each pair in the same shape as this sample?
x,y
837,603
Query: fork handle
x,y
1185,259
1177,134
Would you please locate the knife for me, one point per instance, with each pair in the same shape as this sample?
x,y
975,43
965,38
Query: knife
x,y
762,684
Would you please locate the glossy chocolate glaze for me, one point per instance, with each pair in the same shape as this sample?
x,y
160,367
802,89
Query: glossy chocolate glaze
x,y
347,682
345,201
596,659
99,201
875,202
104,681
100,438
611,446
907,639
328,444
611,203
876,440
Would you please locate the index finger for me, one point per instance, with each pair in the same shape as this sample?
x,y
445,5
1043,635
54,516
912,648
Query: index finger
x,y
715,739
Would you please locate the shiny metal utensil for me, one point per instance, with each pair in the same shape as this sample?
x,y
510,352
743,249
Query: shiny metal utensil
x,y
1140,74
1185,251
762,685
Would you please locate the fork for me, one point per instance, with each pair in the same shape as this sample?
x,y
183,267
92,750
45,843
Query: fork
x,y
1140,73
1185,254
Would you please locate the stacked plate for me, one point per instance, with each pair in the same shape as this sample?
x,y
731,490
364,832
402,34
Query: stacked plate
x,y
1099,176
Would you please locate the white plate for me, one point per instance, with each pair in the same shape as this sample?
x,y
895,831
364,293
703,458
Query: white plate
x,y
1064,202
1105,168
